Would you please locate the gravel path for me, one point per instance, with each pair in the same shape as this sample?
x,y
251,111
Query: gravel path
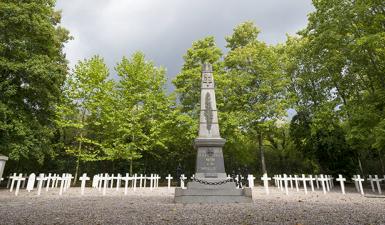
x,y
157,207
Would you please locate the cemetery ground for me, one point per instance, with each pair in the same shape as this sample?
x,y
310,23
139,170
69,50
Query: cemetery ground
x,y
145,206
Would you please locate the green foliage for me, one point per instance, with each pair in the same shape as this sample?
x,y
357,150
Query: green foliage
x,y
187,82
140,110
244,34
335,70
79,114
258,87
32,71
84,92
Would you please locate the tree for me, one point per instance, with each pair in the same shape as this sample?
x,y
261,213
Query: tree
x,y
32,71
335,66
141,109
84,92
258,83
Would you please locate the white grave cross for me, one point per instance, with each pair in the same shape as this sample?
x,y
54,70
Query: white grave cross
x,y
341,180
140,180
126,179
40,180
265,180
359,180
327,182
251,179
311,179
322,180
169,178
182,178
378,183
49,178
285,179
18,179
62,180
118,179
275,178
13,177
304,183
69,178
291,181
112,181
134,181
151,181
83,180
106,178
296,182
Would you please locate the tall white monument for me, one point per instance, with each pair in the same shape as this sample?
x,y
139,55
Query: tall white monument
x,y
210,183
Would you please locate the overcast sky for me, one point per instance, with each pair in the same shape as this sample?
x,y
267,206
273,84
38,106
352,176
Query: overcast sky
x,y
165,29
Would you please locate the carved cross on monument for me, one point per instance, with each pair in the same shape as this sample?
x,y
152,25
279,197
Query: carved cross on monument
x,y
207,76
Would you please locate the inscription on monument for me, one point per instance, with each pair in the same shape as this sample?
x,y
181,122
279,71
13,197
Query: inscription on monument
x,y
210,161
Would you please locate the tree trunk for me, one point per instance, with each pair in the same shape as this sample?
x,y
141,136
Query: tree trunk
x,y
133,140
76,171
360,165
78,159
262,153
131,167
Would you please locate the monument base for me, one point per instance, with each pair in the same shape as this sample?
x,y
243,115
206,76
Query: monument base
x,y
224,193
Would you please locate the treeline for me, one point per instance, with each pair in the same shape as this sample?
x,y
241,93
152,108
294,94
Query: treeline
x,y
330,77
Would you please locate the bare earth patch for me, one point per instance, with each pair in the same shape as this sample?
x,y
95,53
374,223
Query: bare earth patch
x,y
157,207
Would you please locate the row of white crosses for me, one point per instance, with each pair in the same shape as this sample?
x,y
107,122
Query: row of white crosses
x,y
65,182
104,181
326,182
358,183
377,180
23,183
283,182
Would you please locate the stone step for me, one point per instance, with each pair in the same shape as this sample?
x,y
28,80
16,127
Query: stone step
x,y
212,199
209,192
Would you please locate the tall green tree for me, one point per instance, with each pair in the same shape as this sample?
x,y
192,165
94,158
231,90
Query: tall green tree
x,y
335,66
32,71
85,91
141,109
258,84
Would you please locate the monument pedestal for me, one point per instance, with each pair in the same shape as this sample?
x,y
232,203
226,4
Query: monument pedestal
x,y
201,193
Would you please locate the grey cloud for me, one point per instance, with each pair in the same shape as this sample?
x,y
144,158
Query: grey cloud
x,y
165,29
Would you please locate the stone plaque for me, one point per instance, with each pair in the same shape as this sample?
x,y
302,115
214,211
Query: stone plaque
x,y
210,161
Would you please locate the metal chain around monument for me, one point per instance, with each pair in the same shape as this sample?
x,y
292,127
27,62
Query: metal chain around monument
x,y
212,182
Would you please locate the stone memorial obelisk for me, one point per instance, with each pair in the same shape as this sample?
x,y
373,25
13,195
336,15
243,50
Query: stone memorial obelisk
x,y
210,184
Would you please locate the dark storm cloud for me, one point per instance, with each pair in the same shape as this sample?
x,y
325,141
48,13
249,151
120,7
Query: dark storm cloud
x,y
165,29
